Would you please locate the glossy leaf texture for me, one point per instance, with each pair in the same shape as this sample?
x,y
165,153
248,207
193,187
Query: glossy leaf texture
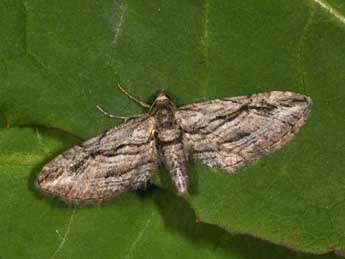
x,y
59,59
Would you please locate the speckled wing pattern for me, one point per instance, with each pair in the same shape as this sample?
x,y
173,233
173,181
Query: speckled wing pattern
x,y
232,132
225,134
120,159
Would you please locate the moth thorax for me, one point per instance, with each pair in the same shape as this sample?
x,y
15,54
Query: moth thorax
x,y
165,118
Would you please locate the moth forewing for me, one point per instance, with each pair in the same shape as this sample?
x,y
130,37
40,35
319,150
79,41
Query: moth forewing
x,y
118,160
233,132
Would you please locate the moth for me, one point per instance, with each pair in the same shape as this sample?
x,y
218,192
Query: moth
x,y
224,134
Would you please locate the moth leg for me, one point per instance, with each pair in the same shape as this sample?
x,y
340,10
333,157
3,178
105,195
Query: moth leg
x,y
143,104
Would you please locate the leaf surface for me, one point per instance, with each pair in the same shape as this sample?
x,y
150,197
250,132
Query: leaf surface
x,y
59,59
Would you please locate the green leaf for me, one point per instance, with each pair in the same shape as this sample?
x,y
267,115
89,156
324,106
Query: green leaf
x,y
151,224
59,59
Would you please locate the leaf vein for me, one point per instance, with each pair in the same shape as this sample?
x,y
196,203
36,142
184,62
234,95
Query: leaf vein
x,y
331,10
64,237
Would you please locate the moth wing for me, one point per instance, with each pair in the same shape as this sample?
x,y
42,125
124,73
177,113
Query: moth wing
x,y
232,132
118,160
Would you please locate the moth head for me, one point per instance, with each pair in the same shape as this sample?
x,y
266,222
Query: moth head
x,y
162,96
162,100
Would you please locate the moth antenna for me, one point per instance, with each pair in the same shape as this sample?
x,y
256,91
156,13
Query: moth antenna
x,y
110,115
138,101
